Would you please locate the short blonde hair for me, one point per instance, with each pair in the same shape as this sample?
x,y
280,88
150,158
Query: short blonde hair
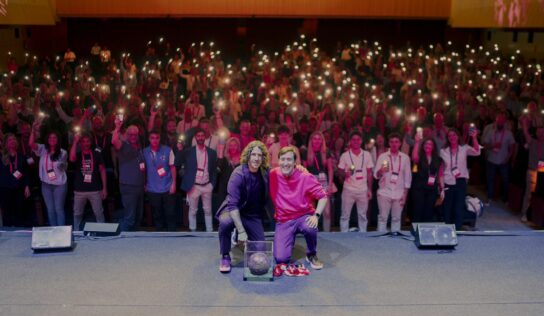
x,y
244,157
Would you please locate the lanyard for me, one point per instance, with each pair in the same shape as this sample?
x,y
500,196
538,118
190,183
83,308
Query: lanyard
x,y
392,166
429,170
92,161
362,161
47,159
154,156
205,159
13,165
451,158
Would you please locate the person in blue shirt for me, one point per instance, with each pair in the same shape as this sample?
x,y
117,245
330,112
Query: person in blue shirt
x,y
161,182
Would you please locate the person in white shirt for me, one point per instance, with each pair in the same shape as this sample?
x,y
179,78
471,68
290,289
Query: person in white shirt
x,y
395,176
456,175
355,166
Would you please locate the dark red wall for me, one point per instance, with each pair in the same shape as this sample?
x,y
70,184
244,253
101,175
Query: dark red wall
x,y
235,36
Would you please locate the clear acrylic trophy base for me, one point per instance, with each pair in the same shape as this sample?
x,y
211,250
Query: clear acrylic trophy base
x,y
258,261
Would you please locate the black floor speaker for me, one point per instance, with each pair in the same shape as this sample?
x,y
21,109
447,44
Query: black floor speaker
x,y
435,235
52,238
101,229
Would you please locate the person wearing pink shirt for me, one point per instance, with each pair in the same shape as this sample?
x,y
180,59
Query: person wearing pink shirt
x,y
292,192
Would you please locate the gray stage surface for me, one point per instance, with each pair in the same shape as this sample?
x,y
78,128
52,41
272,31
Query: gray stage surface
x,y
176,274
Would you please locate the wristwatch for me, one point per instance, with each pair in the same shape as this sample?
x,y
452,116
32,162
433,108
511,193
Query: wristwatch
x,y
317,215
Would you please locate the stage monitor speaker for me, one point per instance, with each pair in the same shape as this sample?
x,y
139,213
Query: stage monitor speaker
x,y
52,238
101,229
435,235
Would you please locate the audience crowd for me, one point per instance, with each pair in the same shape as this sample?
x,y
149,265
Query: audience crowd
x,y
392,131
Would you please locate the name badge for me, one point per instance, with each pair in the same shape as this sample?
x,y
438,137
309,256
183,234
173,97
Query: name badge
x,y
161,171
17,175
359,174
431,180
142,166
30,161
394,178
321,177
87,178
455,172
540,166
51,175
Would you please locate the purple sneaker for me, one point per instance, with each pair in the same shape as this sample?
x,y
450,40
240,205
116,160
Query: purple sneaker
x,y
224,265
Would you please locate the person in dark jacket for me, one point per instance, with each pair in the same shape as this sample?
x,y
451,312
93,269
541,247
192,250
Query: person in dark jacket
x,y
244,206
14,188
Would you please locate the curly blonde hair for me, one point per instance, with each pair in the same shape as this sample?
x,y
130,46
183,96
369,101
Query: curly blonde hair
x,y
246,153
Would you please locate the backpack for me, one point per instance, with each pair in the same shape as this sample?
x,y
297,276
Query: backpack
x,y
474,205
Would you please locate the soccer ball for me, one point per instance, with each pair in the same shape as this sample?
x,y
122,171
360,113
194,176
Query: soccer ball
x,y
258,263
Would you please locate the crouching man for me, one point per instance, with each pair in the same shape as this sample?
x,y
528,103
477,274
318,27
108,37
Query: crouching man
x,y
292,192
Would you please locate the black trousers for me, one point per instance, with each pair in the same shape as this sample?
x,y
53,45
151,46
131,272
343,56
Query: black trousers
x,y
423,201
163,208
15,210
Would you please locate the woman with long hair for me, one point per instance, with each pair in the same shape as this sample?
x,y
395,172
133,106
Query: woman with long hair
x,y
52,172
456,175
14,187
427,178
319,163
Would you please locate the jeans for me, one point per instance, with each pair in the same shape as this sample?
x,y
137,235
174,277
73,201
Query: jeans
x,y
454,203
491,170
54,197
132,197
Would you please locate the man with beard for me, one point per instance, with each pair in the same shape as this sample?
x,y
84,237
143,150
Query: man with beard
x,y
199,179
499,142
244,206
292,191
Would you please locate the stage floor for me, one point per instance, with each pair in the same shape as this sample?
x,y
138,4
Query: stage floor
x,y
177,274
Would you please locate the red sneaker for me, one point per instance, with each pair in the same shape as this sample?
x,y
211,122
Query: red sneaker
x,y
292,271
279,269
302,269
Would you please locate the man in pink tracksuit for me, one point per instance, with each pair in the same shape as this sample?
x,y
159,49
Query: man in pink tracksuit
x,y
292,191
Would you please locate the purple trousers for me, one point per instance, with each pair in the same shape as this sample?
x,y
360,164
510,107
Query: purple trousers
x,y
284,238
252,225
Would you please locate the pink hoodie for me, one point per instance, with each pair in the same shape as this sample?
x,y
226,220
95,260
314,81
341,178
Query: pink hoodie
x,y
293,196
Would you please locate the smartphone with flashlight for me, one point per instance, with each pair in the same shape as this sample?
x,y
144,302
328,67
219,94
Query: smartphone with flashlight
x,y
472,129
